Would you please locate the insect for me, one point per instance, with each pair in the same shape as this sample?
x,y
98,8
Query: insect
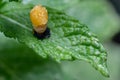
x,y
39,19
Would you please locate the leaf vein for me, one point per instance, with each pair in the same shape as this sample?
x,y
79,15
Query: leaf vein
x,y
15,22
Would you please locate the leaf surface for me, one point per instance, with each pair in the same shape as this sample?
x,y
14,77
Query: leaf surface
x,y
18,62
97,14
69,40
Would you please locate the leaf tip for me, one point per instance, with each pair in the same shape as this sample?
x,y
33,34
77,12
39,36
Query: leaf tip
x,y
104,71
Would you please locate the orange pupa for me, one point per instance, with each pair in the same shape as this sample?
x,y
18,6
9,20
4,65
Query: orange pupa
x,y
39,18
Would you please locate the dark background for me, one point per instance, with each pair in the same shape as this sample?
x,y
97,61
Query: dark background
x,y
116,5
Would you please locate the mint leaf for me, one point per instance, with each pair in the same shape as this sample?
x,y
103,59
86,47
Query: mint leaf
x,y
20,66
18,62
97,14
70,40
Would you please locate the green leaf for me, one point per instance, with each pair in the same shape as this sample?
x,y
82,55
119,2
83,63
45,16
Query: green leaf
x,y
2,3
56,4
18,62
83,71
97,14
70,40
28,66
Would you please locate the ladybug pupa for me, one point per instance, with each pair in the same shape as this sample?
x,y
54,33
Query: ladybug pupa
x,y
39,19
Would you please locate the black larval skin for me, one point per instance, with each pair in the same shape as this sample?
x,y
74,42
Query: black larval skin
x,y
44,35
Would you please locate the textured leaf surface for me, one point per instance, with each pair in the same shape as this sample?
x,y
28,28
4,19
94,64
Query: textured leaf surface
x,y
83,71
97,14
69,38
18,62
